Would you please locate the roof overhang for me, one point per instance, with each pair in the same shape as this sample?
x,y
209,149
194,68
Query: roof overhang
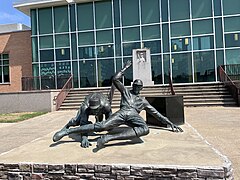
x,y
26,5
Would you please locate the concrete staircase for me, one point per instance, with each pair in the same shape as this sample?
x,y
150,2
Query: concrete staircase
x,y
214,94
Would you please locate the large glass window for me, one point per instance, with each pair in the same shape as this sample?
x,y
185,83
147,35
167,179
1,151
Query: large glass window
x,y
128,47
87,52
202,27
63,70
180,29
72,17
181,44
85,16
62,54
150,32
232,24
118,43
231,7
103,14
202,8
156,64
204,67
47,71
203,42
62,40
150,11
130,12
45,21
116,13
154,46
34,21
131,34
34,49
74,46
219,33
217,8
128,75
85,38
166,67
88,73
232,40
182,68
105,72
46,42
75,74
46,55
105,51
61,19
165,38
104,36
164,10
4,68
232,56
179,9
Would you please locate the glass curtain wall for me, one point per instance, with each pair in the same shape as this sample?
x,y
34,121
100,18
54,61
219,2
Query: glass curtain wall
x,y
188,39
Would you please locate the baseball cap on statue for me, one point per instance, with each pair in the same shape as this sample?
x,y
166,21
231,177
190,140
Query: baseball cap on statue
x,y
94,103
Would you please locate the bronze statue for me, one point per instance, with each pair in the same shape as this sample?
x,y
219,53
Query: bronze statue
x,y
130,107
96,104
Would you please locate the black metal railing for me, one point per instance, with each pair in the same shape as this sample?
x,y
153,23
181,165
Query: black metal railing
x,y
63,93
230,84
233,71
44,82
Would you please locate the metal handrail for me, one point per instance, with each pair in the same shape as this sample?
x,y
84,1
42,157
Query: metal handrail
x,y
63,93
171,84
234,90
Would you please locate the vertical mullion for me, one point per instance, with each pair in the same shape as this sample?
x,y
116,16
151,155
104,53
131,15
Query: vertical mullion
x,y
95,41
170,42
54,47
223,34
191,30
76,21
121,31
70,40
114,45
161,34
214,44
39,64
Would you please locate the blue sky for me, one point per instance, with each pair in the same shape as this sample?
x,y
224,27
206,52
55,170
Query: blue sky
x,y
10,15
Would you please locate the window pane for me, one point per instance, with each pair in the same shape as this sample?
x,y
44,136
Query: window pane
x,y
33,21
204,66
220,60
74,46
86,38
182,68
6,74
180,29
75,74
150,11
128,47
232,40
45,20
62,40
118,43
165,38
104,37
179,9
166,67
72,17
232,56
5,56
201,8
131,34
232,24
154,46
164,10
205,42
47,69
202,27
219,33
105,72
34,50
86,52
217,8
130,7
85,16
231,7
46,42
105,51
62,54
116,13
128,75
181,44
103,14
61,19
156,64
63,68
150,32
46,55
88,73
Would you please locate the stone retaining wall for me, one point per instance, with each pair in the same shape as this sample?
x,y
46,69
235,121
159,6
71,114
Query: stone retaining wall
x,y
25,171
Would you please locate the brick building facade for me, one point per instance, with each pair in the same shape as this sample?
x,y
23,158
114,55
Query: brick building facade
x,y
16,59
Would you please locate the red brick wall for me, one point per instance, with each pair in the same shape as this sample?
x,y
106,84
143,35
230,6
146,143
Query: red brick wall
x,y
18,46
